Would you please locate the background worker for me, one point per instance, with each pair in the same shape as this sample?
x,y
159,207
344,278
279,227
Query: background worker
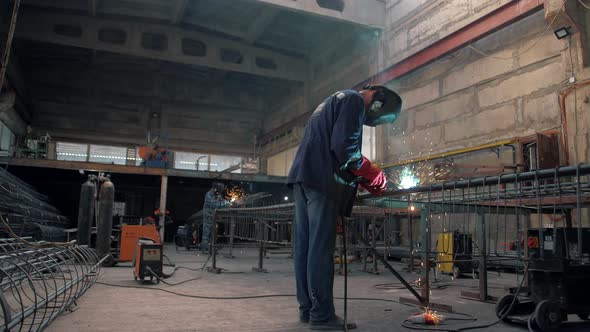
x,y
327,167
213,200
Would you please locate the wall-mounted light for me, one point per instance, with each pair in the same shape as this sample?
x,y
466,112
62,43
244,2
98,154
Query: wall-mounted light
x,y
562,32
286,198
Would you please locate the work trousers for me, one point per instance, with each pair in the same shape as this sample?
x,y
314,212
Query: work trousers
x,y
207,224
315,239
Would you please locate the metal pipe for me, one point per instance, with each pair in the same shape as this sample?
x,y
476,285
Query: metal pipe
x,y
454,152
499,179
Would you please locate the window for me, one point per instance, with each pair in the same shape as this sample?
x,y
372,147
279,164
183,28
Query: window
x,y
225,163
72,151
108,154
369,149
188,160
6,140
205,162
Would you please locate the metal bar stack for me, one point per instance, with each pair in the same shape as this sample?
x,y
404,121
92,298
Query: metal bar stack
x,y
39,284
28,212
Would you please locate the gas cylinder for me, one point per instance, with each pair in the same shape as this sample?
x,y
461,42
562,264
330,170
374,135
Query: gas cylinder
x,y
86,211
104,224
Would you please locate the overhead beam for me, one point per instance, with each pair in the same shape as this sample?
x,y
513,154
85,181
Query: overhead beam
x,y
9,116
500,18
496,20
124,169
258,26
178,11
367,13
177,44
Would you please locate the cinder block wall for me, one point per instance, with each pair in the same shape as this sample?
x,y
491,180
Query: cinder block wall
x,y
466,98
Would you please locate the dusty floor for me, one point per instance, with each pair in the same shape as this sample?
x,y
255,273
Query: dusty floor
x,y
108,308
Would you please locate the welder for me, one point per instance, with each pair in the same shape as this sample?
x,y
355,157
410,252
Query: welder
x,y
213,200
325,174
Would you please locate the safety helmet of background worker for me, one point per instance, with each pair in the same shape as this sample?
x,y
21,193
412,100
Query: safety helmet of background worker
x,y
384,107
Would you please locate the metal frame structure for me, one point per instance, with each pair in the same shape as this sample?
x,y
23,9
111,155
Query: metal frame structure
x,y
28,212
496,211
39,284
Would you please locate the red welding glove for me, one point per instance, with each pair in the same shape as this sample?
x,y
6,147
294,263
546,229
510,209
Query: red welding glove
x,y
376,182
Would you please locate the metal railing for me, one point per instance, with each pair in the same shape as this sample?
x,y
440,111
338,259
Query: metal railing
x,y
498,215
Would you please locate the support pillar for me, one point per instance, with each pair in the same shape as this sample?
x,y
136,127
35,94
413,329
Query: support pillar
x,y
424,223
483,264
163,193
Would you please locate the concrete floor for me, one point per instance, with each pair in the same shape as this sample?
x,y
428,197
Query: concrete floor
x,y
107,308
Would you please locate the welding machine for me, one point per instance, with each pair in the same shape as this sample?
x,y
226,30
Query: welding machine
x,y
558,274
147,260
455,253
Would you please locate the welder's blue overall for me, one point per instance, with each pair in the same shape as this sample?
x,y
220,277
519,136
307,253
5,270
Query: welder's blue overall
x,y
211,203
322,190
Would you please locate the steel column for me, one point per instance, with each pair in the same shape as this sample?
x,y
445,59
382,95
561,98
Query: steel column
x,y
483,266
163,194
425,286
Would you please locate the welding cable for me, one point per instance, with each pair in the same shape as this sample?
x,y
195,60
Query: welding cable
x,y
468,317
251,297
184,267
406,322
529,323
161,279
248,297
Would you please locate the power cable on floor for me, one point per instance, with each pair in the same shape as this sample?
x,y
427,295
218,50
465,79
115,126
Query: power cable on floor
x,y
161,279
405,323
250,297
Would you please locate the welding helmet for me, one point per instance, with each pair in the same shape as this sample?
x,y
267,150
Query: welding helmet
x,y
218,186
384,107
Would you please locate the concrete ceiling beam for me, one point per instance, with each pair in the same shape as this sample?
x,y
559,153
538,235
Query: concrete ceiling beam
x,y
367,13
259,26
178,11
159,42
9,116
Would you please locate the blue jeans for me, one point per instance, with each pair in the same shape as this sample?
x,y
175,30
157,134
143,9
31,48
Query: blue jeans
x,y
207,224
315,240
